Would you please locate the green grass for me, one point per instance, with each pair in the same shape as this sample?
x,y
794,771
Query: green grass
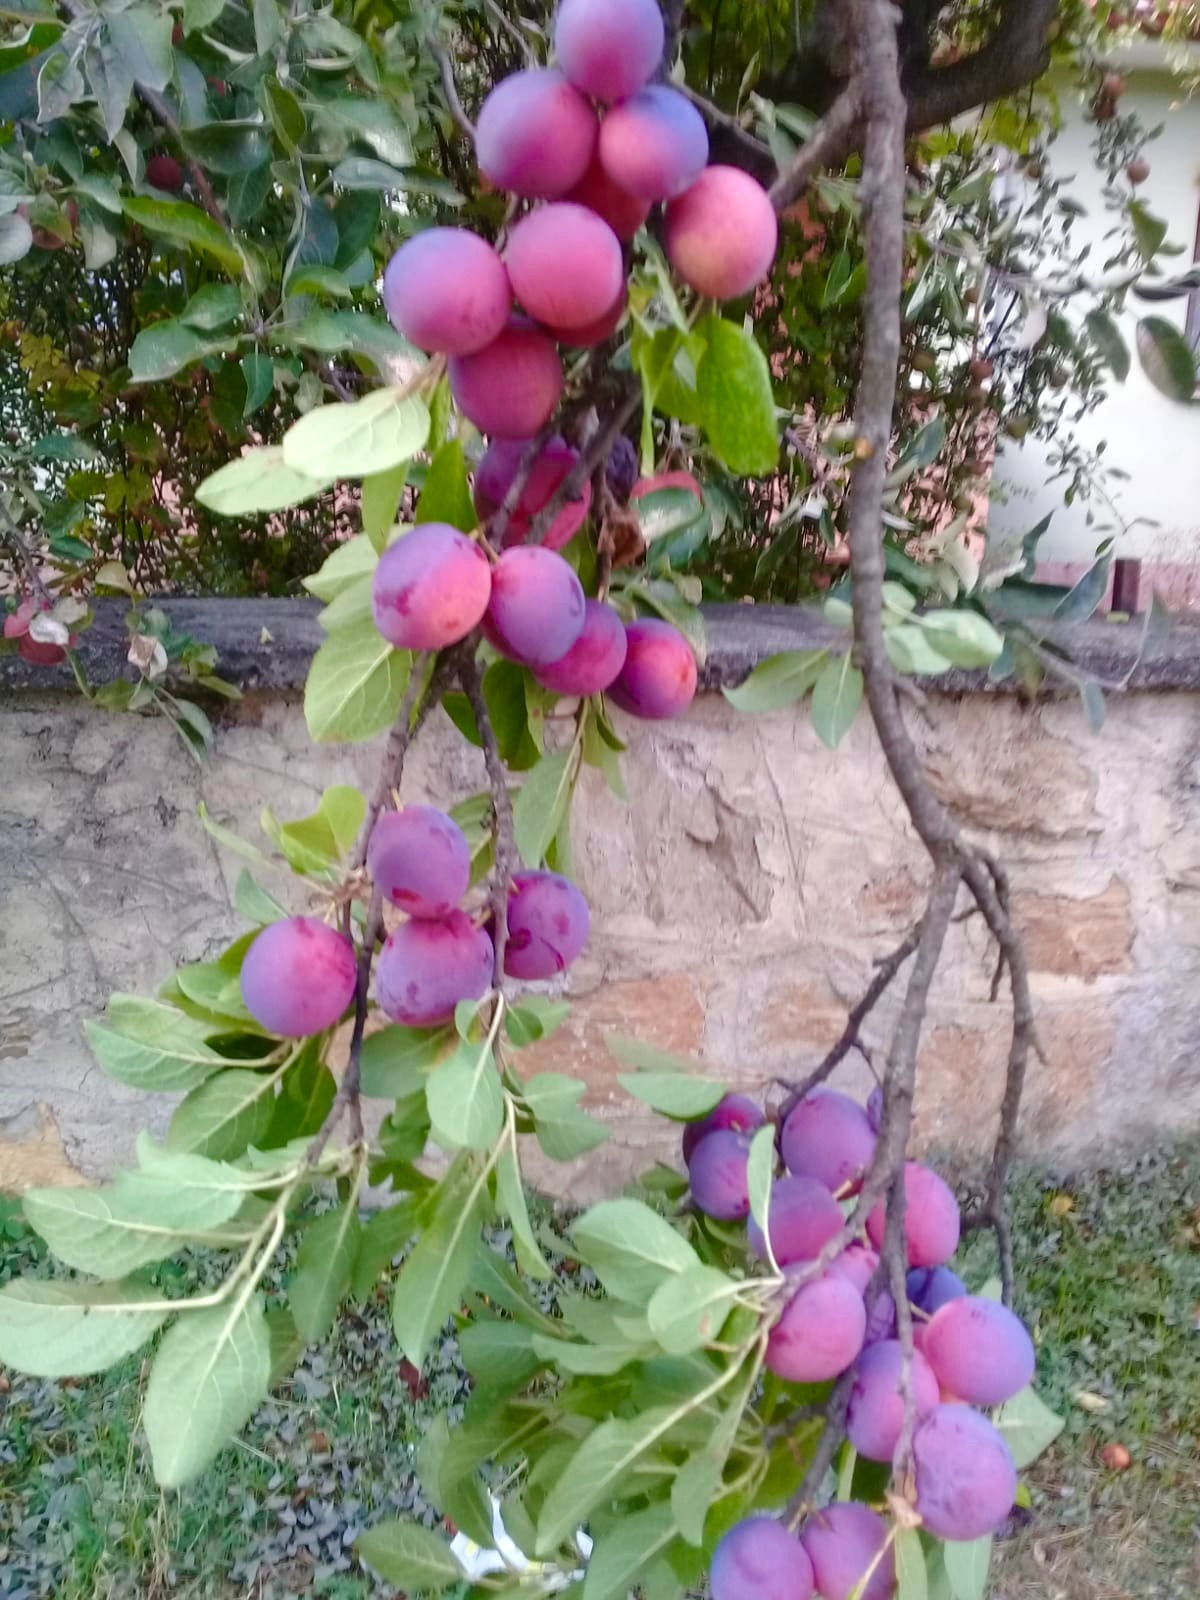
x,y
1109,1272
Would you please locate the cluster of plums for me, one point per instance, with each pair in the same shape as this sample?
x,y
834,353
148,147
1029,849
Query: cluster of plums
x,y
968,1351
299,975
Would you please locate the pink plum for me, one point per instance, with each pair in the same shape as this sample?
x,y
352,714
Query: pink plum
x,y
827,1136
980,1350
609,48
820,1331
876,1412
721,234
844,1542
736,1111
565,266
593,333
535,134
511,387
420,860
931,1218
758,1559
430,588
659,677
536,611
427,967
654,145
966,1481
717,1171
857,1263
595,658
447,290
547,925
494,478
802,1218
298,977
623,212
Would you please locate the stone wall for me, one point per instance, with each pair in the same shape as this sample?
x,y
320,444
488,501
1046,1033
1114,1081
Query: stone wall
x,y
738,899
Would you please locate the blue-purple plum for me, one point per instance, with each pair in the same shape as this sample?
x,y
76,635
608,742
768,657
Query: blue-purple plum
x,y
820,1331
803,1216
930,1288
966,1481
659,677
427,967
758,1559
654,145
536,612
881,1318
721,234
931,1218
430,588
609,48
535,134
494,478
876,1412
595,658
827,1136
623,212
298,977
420,860
844,1543
547,925
447,290
736,1111
565,265
719,1177
980,1350
510,388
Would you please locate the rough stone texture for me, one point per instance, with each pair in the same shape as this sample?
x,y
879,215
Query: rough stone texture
x,y
738,902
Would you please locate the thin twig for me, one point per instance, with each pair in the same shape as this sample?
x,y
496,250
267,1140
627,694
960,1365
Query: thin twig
x,y
572,485
36,583
748,143
449,87
162,113
502,813
497,525
831,141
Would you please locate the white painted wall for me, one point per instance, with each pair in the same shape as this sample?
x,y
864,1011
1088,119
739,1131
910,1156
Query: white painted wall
x,y
1153,439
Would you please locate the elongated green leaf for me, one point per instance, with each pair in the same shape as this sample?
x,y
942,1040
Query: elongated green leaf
x,y
967,1568
780,681
396,1062
187,226
16,239
372,121
258,481
563,1130
164,349
631,1248
1029,1427
1167,358
355,686
625,1549
964,637
220,1118
459,1496
152,1046
540,806
446,495
214,306
510,1197
345,566
673,1094
837,696
211,1371
324,1269
736,398
760,1174
360,439
687,1309
597,1470
432,1280
362,172
466,1102
409,1556
912,1577
381,494
103,1232
384,1236
1109,341
56,1329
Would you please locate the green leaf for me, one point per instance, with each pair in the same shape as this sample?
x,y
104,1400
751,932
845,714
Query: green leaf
x,y
228,148
459,1496
225,1115
510,1196
355,686
198,14
268,26
1109,341
100,1232
357,440
384,1237
597,1471
837,696
345,566
760,1174
186,226
910,650
259,374
324,1269
152,1046
1149,231
1167,358
210,1373
142,37
967,1567
540,806
921,451
360,172
1029,1427
381,495
625,1549
781,680
687,1310
563,1131
432,1281
372,121
630,1248
674,1094
535,1018
466,1101
57,1329
667,512
214,306
16,239
912,1578
737,400
315,843
446,494
254,903
964,637
409,1556
164,349
396,1062
258,481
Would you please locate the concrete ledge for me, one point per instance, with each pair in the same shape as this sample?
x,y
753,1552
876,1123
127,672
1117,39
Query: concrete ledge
x,y
268,644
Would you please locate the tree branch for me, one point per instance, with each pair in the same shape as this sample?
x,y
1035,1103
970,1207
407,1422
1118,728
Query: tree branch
x,y
1017,53
13,537
833,140
162,113
449,87
572,485
502,814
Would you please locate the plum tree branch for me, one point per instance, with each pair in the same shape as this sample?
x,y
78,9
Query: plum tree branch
x,y
596,452
832,141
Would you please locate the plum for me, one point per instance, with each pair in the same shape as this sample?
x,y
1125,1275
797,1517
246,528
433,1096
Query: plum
x,y
980,1350
623,212
659,677
494,478
420,860
298,977
547,925
536,612
654,145
966,1481
510,388
717,1171
595,658
565,266
447,290
827,1136
844,1542
758,1559
931,1218
857,1263
609,48
721,234
820,1331
930,1288
164,172
430,588
803,1216
593,333
736,1111
426,967
876,1412
535,134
